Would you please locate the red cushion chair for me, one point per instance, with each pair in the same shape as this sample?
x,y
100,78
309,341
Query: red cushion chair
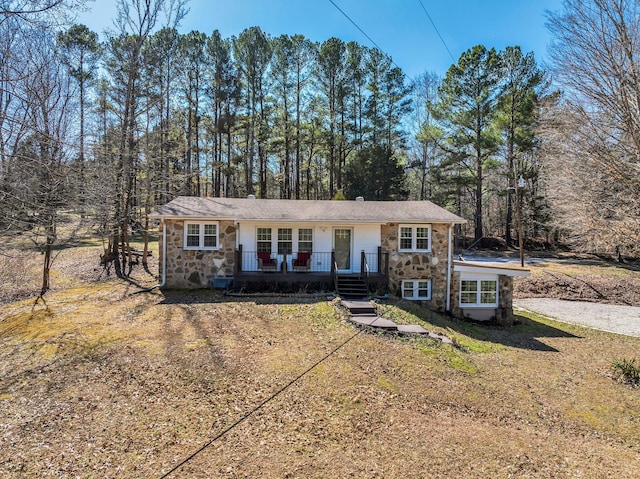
x,y
266,262
302,262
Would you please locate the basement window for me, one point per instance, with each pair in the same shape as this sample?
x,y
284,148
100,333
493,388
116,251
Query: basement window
x,y
201,236
416,289
479,291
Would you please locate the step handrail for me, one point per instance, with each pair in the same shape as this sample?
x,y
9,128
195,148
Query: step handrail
x,y
334,271
364,268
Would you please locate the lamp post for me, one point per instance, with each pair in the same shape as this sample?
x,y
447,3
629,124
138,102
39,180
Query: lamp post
x,y
520,184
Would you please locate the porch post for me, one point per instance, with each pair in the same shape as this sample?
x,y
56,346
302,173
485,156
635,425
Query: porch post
x,y
386,263
238,267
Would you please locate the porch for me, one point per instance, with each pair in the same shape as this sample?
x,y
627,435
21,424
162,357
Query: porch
x,y
309,271
306,262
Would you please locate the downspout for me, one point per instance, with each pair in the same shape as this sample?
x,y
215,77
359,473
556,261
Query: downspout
x,y
449,260
164,254
164,262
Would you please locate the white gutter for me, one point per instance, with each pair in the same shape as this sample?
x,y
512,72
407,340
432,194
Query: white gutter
x,y
449,261
164,255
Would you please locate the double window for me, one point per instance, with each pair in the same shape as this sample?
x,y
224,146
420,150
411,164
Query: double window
x,y
201,235
416,289
479,291
415,238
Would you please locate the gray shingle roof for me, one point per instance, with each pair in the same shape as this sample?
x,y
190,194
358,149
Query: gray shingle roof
x,y
246,209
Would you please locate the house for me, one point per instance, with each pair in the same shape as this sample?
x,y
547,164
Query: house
x,y
353,246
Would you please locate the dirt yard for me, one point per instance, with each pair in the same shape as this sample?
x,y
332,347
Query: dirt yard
x,y
98,382
582,278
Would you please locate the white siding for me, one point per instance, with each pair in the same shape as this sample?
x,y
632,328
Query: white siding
x,y
365,237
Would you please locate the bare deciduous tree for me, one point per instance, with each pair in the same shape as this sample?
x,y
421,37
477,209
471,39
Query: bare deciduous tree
x,y
596,48
35,177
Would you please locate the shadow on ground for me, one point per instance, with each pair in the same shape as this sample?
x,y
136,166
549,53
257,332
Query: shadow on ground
x,y
205,296
526,334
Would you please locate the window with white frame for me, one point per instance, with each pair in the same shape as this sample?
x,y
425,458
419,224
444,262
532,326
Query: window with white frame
x,y
415,238
305,240
263,240
285,240
416,289
201,235
479,291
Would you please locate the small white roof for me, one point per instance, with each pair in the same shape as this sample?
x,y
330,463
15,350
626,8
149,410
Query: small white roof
x,y
490,268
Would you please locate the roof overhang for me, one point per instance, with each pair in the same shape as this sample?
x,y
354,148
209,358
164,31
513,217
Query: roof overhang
x,y
308,211
489,268
157,216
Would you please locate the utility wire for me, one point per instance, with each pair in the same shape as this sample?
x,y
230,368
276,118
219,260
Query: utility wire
x,y
436,29
370,39
260,406
356,25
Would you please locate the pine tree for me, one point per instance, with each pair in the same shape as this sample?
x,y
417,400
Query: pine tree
x,y
467,111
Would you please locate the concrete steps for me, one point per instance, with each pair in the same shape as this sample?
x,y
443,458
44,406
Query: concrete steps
x,y
364,313
352,287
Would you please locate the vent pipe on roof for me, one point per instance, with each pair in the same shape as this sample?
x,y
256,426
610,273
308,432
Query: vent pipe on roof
x,y
359,198
251,197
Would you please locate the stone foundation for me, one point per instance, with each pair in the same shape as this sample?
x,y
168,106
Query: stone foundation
x,y
504,314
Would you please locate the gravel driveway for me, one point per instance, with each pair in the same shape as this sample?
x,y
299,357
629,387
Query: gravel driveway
x,y
607,317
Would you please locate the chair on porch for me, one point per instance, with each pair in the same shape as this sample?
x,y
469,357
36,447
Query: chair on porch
x,y
302,262
266,262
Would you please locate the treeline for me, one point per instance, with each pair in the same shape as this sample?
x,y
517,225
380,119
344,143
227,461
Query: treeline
x,y
479,142
274,117
114,127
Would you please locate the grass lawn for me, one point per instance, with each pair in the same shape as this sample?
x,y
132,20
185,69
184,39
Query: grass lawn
x,y
101,383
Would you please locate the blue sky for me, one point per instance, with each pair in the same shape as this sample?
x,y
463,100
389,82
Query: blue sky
x,y
401,28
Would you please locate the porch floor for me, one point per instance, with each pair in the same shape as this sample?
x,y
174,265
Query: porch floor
x,y
298,280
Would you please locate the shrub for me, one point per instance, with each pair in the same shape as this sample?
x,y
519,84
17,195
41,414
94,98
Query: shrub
x,y
627,371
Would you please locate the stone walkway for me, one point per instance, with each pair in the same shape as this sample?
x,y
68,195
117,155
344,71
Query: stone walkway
x,y
364,313
606,317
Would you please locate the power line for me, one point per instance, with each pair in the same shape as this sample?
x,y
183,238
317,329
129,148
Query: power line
x,y
436,29
356,25
370,39
259,406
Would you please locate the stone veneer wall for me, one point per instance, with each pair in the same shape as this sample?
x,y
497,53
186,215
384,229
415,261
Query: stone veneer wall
x,y
193,268
456,311
431,266
504,314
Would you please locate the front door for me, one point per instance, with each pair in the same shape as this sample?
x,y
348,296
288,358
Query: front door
x,y
342,248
